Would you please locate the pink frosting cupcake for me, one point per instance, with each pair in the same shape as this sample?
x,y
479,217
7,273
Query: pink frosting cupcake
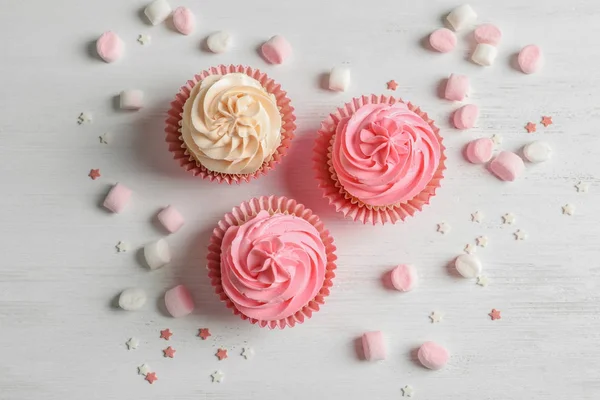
x,y
379,159
271,261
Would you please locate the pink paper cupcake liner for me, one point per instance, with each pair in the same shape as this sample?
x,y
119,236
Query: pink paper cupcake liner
x,y
189,162
347,204
241,214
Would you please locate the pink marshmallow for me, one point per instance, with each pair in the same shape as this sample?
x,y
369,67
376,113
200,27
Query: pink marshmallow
x,y
530,59
433,355
466,116
179,301
404,277
373,346
117,198
109,46
276,50
184,20
457,87
507,166
443,40
171,219
479,151
488,34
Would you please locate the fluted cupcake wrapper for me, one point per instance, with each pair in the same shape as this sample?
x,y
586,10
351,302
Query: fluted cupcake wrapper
x,y
343,201
273,205
186,159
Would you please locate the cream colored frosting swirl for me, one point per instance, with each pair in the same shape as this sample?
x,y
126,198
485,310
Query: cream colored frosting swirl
x,y
231,124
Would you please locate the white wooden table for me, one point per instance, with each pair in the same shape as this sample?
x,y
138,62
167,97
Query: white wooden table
x,y
61,337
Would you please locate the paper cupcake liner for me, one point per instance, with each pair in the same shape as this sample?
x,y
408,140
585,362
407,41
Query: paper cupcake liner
x,y
347,204
190,163
244,212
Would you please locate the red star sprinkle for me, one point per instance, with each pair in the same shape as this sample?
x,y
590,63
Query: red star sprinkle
x,y
169,352
530,127
221,354
204,333
495,314
94,174
166,334
392,85
546,121
151,377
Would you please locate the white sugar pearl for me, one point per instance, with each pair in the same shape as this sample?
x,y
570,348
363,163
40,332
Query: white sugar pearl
x,y
157,11
468,265
157,254
132,299
339,79
484,54
131,100
537,152
219,42
462,17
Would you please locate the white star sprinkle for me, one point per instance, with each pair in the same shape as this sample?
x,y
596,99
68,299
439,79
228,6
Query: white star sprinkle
x,y
436,316
247,352
470,249
482,280
497,139
582,187
407,391
103,138
520,235
143,369
132,343
144,39
122,247
482,241
509,218
443,228
84,118
477,216
217,376
568,209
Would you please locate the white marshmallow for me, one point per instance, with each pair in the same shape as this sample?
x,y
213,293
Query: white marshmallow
x,y
462,17
157,254
157,11
468,265
484,54
132,299
339,79
131,100
219,42
537,152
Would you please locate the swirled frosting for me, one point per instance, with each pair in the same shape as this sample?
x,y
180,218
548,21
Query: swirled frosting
x,y
385,154
272,265
231,124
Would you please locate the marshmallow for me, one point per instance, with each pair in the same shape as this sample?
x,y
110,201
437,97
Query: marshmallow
x,y
537,152
484,54
480,151
404,277
468,265
131,100
178,301
457,87
466,116
488,34
433,355
443,40
117,198
110,47
339,79
219,42
184,20
157,11
507,166
276,50
530,59
132,299
171,219
373,346
157,254
462,17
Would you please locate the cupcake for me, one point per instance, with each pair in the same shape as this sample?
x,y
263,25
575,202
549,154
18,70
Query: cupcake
x,y
271,261
230,124
379,159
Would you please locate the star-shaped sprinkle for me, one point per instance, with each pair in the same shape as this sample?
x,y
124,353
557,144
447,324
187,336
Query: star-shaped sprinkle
x,y
568,209
169,352
482,241
482,280
221,354
546,121
520,235
84,118
436,316
94,174
470,248
151,377
247,352
144,39
497,139
477,217
217,376
143,369
166,334
407,391
508,218
495,314
132,343
582,187
122,247
103,138
443,228
530,127
392,85
204,333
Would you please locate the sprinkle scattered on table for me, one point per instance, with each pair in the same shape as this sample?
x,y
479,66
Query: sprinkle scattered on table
x,y
407,391
204,333
443,228
546,121
166,334
132,343
247,352
94,174
482,280
103,138
392,85
470,249
217,376
509,218
495,314
122,247
530,127
143,369
477,216
144,39
436,317
84,118
568,209
169,352
520,235
582,187
151,377
497,139
482,241
221,354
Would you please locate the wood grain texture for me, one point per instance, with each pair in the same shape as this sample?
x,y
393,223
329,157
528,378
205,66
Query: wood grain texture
x,y
61,337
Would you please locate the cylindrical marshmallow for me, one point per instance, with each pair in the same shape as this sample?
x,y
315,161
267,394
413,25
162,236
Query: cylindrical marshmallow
x,y
507,166
462,17
484,54
404,277
157,11
466,116
373,346
339,79
178,301
276,50
219,42
433,355
457,87
442,40
537,152
131,100
110,47
480,151
117,198
157,254
132,299
171,219
530,59
468,265
488,34
184,20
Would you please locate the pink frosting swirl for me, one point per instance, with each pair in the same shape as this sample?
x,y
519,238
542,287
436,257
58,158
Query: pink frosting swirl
x,y
272,266
385,154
